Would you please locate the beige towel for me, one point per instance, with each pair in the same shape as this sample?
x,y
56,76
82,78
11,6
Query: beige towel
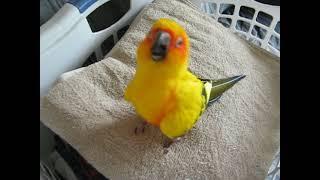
x,y
235,138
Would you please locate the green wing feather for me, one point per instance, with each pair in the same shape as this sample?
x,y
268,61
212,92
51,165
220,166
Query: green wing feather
x,y
213,89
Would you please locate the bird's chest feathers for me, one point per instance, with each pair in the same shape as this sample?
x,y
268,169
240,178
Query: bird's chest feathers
x,y
154,98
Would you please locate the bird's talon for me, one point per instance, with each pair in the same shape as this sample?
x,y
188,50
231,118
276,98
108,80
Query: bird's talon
x,y
165,151
167,144
140,129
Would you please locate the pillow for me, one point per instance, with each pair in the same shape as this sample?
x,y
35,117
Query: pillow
x,y
235,138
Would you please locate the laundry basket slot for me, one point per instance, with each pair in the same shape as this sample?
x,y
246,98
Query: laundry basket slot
x,y
256,22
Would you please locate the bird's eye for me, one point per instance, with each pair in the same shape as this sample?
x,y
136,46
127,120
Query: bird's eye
x,y
179,42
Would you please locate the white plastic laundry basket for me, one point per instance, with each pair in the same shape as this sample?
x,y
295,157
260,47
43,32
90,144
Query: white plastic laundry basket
x,y
77,30
67,39
256,22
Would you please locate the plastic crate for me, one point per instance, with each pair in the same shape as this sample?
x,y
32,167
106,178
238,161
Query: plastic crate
x,y
256,22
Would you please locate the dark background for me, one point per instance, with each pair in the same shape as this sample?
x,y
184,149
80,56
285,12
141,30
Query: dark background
x,y
271,2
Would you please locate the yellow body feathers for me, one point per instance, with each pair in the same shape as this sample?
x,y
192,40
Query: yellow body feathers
x,y
165,93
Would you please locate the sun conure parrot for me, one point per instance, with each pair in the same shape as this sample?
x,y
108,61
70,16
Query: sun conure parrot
x,y
163,91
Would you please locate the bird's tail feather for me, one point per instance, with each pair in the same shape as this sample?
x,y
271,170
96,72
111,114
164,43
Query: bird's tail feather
x,y
213,89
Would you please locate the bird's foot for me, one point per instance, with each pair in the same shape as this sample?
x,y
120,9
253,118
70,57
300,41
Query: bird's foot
x,y
168,142
140,129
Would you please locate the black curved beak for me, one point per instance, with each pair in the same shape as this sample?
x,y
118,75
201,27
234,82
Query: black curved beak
x,y
160,46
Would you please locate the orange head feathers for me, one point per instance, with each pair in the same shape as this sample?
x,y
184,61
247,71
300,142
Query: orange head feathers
x,y
165,46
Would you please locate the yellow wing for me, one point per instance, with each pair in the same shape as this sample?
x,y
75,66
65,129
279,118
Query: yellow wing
x,y
189,103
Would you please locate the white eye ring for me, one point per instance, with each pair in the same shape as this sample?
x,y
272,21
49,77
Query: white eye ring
x,y
179,42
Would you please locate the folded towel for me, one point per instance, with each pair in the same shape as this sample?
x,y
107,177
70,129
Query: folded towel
x,y
235,138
